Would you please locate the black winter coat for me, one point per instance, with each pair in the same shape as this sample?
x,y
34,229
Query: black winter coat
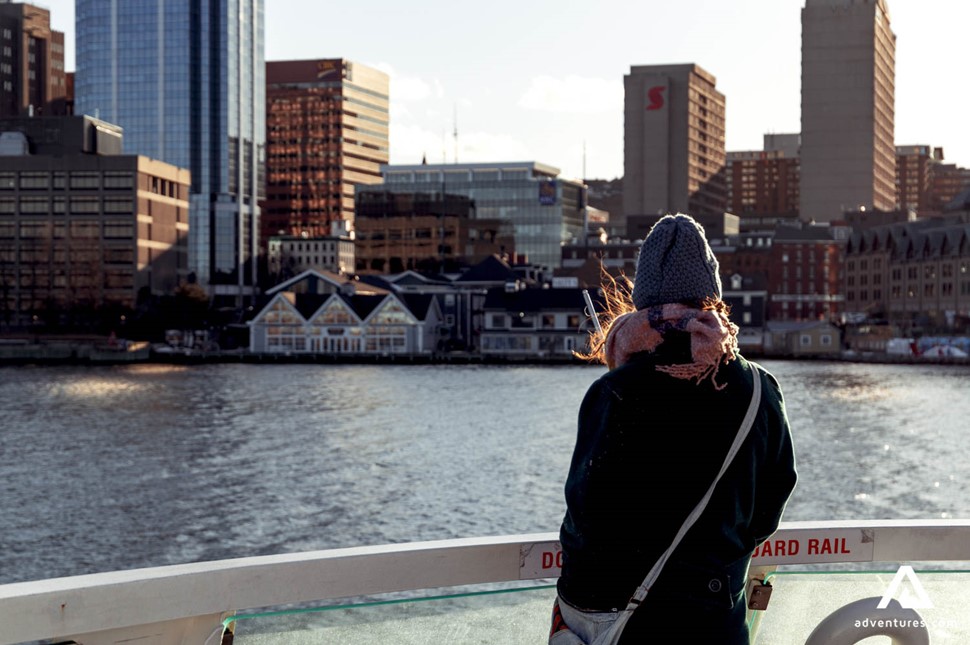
x,y
649,445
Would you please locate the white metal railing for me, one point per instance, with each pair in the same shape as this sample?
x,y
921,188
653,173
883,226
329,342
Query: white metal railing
x,y
187,603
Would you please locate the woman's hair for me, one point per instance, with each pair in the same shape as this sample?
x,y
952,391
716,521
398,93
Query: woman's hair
x,y
617,295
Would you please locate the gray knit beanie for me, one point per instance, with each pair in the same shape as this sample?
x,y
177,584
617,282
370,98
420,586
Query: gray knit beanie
x,y
675,264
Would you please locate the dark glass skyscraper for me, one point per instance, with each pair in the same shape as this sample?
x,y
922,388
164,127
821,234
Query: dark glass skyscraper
x,y
186,81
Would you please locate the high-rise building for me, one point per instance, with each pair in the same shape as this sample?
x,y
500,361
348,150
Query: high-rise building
x,y
327,132
186,81
31,62
848,155
764,182
673,142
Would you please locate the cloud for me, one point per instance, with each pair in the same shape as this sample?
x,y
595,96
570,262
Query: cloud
x,y
410,143
574,94
410,88
488,147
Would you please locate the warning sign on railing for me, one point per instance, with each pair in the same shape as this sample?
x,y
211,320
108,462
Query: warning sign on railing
x,y
793,546
811,546
540,560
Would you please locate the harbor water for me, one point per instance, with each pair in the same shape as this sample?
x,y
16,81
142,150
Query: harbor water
x,y
105,468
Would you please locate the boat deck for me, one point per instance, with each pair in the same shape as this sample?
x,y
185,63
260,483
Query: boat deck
x,y
800,602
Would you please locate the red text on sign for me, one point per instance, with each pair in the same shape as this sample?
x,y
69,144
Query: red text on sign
x,y
550,559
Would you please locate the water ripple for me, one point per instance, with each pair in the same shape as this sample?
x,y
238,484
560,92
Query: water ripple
x,y
122,467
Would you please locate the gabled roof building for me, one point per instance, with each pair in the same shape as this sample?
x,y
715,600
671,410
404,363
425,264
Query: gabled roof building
x,y
915,274
320,313
535,322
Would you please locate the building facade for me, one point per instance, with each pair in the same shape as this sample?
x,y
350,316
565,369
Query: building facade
x,y
673,142
815,339
543,210
290,255
848,92
914,177
805,275
914,274
949,181
82,227
327,132
535,322
586,261
32,79
765,182
323,314
433,233
186,81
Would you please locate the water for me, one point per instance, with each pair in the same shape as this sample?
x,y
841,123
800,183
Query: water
x,y
123,467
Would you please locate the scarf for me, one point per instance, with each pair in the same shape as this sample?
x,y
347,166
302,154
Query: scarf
x,y
713,339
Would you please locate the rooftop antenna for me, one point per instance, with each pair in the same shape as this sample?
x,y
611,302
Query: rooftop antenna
x,y
456,133
444,148
584,161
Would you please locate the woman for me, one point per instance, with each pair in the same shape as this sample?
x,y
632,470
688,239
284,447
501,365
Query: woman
x,y
653,433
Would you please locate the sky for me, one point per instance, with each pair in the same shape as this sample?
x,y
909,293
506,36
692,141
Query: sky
x,y
542,81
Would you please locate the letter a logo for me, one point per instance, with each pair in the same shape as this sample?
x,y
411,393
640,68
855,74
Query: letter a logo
x,y
907,600
656,96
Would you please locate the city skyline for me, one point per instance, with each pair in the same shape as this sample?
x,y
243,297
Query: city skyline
x,y
508,76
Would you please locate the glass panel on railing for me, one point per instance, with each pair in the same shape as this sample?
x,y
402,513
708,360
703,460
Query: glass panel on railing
x,y
904,601
508,616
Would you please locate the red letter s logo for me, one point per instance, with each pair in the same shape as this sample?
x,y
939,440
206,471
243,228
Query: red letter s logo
x,y
656,95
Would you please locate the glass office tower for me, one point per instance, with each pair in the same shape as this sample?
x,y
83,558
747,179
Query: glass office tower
x,y
186,81
543,209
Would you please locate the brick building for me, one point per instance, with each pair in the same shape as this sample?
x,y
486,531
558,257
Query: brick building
x,y
761,183
914,177
32,78
805,273
913,274
398,231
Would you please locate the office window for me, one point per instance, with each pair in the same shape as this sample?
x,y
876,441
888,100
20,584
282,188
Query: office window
x,y
85,180
34,180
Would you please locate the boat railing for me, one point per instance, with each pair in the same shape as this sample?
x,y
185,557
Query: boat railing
x,y
195,603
